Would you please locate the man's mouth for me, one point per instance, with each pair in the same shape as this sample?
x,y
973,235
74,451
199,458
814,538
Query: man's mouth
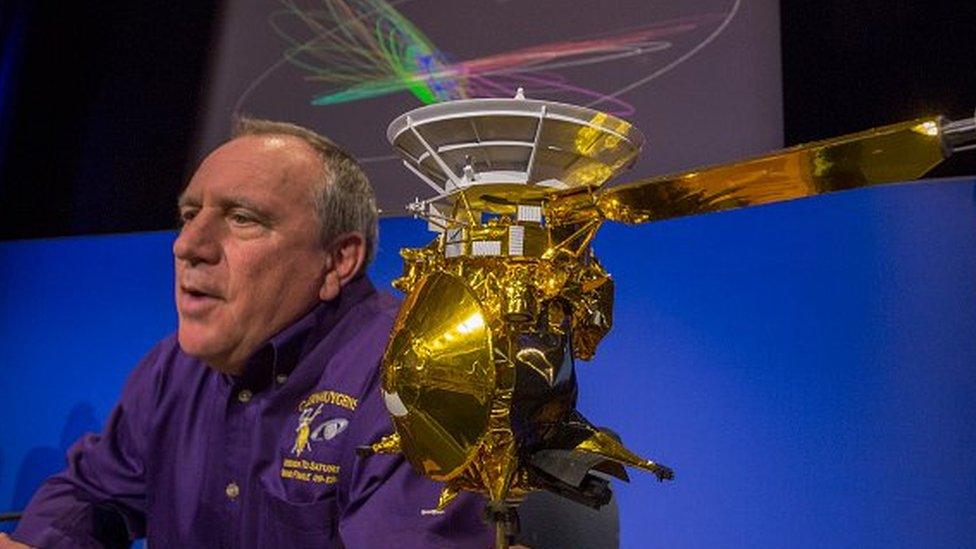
x,y
193,301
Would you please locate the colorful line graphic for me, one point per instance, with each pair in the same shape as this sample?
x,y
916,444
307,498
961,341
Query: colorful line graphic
x,y
358,49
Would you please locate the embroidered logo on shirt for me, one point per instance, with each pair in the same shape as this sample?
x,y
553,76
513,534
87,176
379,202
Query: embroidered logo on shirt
x,y
309,409
307,470
328,430
303,431
329,397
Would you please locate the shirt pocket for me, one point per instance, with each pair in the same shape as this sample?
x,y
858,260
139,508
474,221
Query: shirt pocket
x,y
298,524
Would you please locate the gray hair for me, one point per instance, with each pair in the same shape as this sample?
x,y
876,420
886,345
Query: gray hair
x,y
346,202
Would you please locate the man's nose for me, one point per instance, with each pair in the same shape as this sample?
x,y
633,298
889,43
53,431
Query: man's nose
x,y
198,241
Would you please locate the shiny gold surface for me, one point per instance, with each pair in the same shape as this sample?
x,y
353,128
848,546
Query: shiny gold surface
x,y
439,365
467,312
502,198
479,371
602,444
900,152
387,445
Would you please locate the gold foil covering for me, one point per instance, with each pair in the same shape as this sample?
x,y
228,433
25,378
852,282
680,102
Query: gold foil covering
x,y
900,152
497,303
439,365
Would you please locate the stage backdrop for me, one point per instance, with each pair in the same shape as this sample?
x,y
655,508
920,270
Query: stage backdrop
x,y
807,368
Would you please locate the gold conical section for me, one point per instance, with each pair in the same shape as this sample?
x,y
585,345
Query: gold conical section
x,y
602,444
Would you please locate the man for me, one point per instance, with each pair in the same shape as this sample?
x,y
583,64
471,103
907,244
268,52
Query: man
x,y
241,430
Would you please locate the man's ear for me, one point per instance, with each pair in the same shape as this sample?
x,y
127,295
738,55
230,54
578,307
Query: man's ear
x,y
345,260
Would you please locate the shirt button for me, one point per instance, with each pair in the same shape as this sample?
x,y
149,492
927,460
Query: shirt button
x,y
281,379
232,490
244,395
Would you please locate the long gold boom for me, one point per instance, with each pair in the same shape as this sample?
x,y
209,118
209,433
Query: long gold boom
x,y
899,152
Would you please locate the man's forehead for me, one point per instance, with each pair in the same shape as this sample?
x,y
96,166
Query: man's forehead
x,y
260,152
251,162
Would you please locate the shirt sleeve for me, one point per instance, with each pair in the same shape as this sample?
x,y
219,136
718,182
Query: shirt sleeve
x,y
383,502
99,499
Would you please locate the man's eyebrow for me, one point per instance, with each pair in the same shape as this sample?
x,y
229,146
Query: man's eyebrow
x,y
186,200
239,201
226,203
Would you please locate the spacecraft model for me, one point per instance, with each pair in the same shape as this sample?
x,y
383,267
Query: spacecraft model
x,y
479,372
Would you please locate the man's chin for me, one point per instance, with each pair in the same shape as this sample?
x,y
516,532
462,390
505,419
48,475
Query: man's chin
x,y
211,352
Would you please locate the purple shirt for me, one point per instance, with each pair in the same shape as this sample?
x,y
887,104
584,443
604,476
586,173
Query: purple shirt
x,y
194,458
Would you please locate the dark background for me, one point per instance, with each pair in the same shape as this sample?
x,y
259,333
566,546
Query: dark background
x,y
100,103
98,109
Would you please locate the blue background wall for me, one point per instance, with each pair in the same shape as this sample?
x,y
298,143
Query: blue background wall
x,y
809,369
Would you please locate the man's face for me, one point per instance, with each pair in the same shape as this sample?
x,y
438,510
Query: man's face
x,y
249,258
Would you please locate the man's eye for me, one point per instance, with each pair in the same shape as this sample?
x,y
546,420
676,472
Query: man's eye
x,y
242,219
186,216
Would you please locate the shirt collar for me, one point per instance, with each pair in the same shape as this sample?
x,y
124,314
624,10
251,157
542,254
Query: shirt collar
x,y
280,355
